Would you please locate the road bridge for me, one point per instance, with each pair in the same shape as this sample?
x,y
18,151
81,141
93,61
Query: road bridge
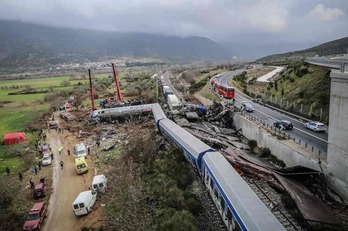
x,y
337,154
340,64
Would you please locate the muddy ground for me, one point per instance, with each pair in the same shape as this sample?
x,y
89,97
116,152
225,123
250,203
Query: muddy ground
x,y
67,184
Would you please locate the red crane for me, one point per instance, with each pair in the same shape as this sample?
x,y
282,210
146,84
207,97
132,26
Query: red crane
x,y
118,91
91,89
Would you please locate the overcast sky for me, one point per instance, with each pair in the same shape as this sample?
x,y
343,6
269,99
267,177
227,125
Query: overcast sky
x,y
298,22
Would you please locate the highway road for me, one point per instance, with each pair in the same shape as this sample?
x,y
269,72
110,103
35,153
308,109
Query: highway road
x,y
313,139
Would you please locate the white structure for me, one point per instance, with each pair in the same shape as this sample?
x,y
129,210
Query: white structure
x,y
338,136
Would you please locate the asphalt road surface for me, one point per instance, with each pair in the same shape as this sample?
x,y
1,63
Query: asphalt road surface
x,y
313,139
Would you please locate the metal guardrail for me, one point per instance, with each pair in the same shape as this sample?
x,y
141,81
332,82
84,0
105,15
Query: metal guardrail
x,y
341,64
283,135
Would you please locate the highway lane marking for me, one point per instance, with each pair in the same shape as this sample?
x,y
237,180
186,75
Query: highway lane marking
x,y
226,76
289,118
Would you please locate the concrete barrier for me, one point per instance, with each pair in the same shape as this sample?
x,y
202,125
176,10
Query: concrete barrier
x,y
285,150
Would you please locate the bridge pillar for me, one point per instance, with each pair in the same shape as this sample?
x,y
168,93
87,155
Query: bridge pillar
x,y
337,156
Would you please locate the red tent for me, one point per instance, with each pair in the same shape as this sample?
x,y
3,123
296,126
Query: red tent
x,y
14,138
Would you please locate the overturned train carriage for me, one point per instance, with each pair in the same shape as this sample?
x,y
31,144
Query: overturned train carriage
x,y
120,113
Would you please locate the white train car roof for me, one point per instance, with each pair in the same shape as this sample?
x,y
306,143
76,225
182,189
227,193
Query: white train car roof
x,y
185,139
247,207
157,112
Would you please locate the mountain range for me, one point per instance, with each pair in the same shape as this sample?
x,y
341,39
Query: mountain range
x,y
335,47
26,44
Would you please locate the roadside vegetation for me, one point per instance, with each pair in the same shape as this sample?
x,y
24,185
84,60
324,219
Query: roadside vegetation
x,y
151,186
300,88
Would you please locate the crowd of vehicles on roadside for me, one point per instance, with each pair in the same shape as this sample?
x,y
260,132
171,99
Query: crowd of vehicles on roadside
x,y
85,201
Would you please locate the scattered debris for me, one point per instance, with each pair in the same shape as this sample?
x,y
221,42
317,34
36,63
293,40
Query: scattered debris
x,y
67,116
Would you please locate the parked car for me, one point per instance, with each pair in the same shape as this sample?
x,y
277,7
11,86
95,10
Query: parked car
x,y
99,183
316,126
84,202
40,190
35,217
247,107
283,124
46,159
45,149
81,165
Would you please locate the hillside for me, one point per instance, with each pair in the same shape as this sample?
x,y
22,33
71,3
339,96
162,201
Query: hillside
x,y
301,88
24,44
335,47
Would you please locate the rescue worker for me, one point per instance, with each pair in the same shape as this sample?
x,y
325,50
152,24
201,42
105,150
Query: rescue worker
x,y
7,171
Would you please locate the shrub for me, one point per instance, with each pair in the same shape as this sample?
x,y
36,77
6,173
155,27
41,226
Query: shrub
x,y
266,152
179,220
252,145
197,86
65,83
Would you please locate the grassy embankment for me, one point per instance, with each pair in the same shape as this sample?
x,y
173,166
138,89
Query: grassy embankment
x,y
300,88
201,84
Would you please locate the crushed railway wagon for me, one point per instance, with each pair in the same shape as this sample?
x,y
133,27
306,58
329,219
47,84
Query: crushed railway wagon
x,y
119,113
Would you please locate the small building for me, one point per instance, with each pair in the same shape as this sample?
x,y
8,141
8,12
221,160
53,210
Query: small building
x,y
14,138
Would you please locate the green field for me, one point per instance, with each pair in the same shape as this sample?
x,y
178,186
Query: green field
x,y
18,111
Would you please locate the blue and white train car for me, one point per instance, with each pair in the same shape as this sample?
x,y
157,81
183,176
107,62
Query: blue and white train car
x,y
157,112
191,146
238,205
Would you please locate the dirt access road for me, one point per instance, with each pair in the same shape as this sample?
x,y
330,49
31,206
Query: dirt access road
x,y
67,184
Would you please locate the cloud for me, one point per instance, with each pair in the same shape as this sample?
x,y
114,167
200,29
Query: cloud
x,y
325,14
235,21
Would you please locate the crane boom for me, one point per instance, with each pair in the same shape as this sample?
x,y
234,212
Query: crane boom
x,y
117,83
91,89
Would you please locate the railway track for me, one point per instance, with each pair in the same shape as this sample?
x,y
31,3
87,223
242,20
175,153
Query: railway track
x,y
273,202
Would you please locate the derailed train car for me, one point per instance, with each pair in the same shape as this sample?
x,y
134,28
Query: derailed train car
x,y
238,205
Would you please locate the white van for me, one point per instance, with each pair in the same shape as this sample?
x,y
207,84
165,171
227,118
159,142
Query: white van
x,y
99,183
80,150
84,202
